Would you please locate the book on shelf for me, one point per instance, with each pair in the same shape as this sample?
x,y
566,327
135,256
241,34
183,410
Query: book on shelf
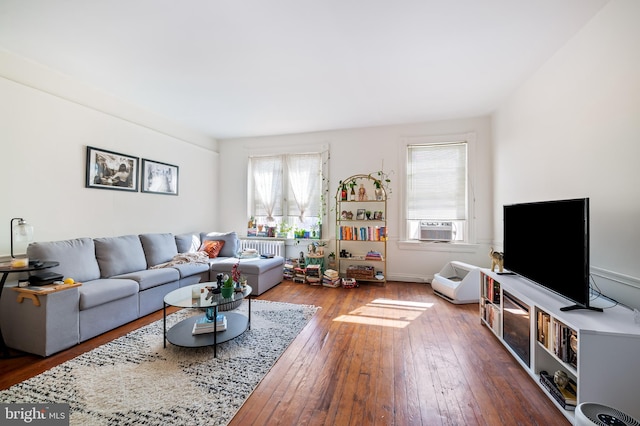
x,y
565,397
203,325
363,233
373,255
544,322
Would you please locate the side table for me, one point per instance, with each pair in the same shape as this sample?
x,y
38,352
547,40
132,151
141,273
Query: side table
x,y
6,269
315,259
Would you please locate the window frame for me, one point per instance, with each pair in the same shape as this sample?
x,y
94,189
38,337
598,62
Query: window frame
x,y
470,235
322,150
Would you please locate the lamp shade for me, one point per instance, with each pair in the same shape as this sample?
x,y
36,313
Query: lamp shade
x,y
20,231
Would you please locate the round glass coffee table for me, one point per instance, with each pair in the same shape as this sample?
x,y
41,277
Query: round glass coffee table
x,y
199,296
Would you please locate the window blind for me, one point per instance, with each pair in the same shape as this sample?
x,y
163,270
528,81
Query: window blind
x,y
437,181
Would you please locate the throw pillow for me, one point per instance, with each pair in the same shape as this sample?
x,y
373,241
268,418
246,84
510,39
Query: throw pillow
x,y
212,247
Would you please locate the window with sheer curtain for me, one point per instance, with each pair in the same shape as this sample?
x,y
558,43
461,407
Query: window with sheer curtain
x,y
437,186
286,189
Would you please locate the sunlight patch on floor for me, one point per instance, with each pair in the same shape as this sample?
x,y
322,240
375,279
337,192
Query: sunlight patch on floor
x,y
386,313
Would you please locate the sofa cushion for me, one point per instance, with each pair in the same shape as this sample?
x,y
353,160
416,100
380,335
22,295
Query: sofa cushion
x,y
188,243
98,292
158,248
254,265
77,257
231,242
151,277
120,255
212,247
189,269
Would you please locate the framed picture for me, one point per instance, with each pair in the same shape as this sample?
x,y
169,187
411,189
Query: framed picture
x,y
360,214
159,178
111,170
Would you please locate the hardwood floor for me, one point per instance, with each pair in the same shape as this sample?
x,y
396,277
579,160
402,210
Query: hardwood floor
x,y
392,355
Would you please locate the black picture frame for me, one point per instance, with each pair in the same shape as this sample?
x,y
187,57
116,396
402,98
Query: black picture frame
x,y
159,178
111,170
360,214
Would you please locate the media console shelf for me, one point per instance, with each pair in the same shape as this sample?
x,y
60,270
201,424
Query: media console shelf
x,y
599,351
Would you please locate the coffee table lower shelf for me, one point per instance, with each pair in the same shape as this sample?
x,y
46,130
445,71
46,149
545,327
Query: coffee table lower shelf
x,y
180,334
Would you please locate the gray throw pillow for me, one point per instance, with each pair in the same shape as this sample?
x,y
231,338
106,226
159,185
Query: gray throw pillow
x,y
188,242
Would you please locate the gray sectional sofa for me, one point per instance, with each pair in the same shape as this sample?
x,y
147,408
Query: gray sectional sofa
x,y
123,278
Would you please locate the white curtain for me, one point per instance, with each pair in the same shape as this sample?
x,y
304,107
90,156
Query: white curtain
x,y
304,175
267,180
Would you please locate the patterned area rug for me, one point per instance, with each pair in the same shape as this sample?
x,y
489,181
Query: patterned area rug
x,y
135,381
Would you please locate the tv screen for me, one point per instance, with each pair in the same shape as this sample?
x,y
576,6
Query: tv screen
x,y
548,243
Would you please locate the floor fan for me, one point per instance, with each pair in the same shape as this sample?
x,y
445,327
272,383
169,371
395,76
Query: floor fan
x,y
590,414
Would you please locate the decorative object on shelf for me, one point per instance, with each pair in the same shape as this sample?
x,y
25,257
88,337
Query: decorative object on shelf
x,y
362,193
352,194
111,170
360,214
343,191
367,214
381,181
497,259
332,260
560,378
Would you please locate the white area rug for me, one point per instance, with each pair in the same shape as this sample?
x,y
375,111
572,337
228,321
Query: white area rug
x,y
135,381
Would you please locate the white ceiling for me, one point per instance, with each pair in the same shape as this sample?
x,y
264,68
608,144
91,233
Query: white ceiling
x,y
233,68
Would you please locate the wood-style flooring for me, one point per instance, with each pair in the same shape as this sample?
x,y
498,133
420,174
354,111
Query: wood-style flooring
x,y
374,355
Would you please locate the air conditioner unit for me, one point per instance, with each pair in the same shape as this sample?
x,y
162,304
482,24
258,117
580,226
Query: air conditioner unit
x,y
436,231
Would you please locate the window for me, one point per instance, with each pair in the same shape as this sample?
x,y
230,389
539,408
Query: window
x,y
437,191
285,193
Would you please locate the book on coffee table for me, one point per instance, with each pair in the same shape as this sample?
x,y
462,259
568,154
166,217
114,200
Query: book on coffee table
x,y
202,325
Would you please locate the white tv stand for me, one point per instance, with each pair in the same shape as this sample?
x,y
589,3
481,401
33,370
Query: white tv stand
x,y
605,365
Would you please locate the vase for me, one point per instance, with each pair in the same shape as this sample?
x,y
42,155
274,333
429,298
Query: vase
x,y
378,193
227,292
210,314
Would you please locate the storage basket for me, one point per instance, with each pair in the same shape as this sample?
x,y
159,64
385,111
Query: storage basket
x,y
360,272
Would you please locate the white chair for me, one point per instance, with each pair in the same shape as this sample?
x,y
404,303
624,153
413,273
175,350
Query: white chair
x,y
458,282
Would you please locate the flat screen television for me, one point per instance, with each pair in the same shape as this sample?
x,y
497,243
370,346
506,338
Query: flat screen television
x,y
548,243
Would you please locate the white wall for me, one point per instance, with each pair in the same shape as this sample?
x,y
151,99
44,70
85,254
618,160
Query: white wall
x,y
46,122
354,151
574,130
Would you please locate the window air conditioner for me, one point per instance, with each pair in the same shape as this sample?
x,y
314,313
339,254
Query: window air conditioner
x,y
436,231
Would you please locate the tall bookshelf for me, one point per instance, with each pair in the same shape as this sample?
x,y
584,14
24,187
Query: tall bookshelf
x,y
597,351
361,229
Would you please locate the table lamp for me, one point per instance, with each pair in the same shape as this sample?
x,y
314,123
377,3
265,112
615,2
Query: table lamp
x,y
21,231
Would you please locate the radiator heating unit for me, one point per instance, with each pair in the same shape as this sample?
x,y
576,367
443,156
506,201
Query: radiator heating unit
x,y
436,231
263,246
